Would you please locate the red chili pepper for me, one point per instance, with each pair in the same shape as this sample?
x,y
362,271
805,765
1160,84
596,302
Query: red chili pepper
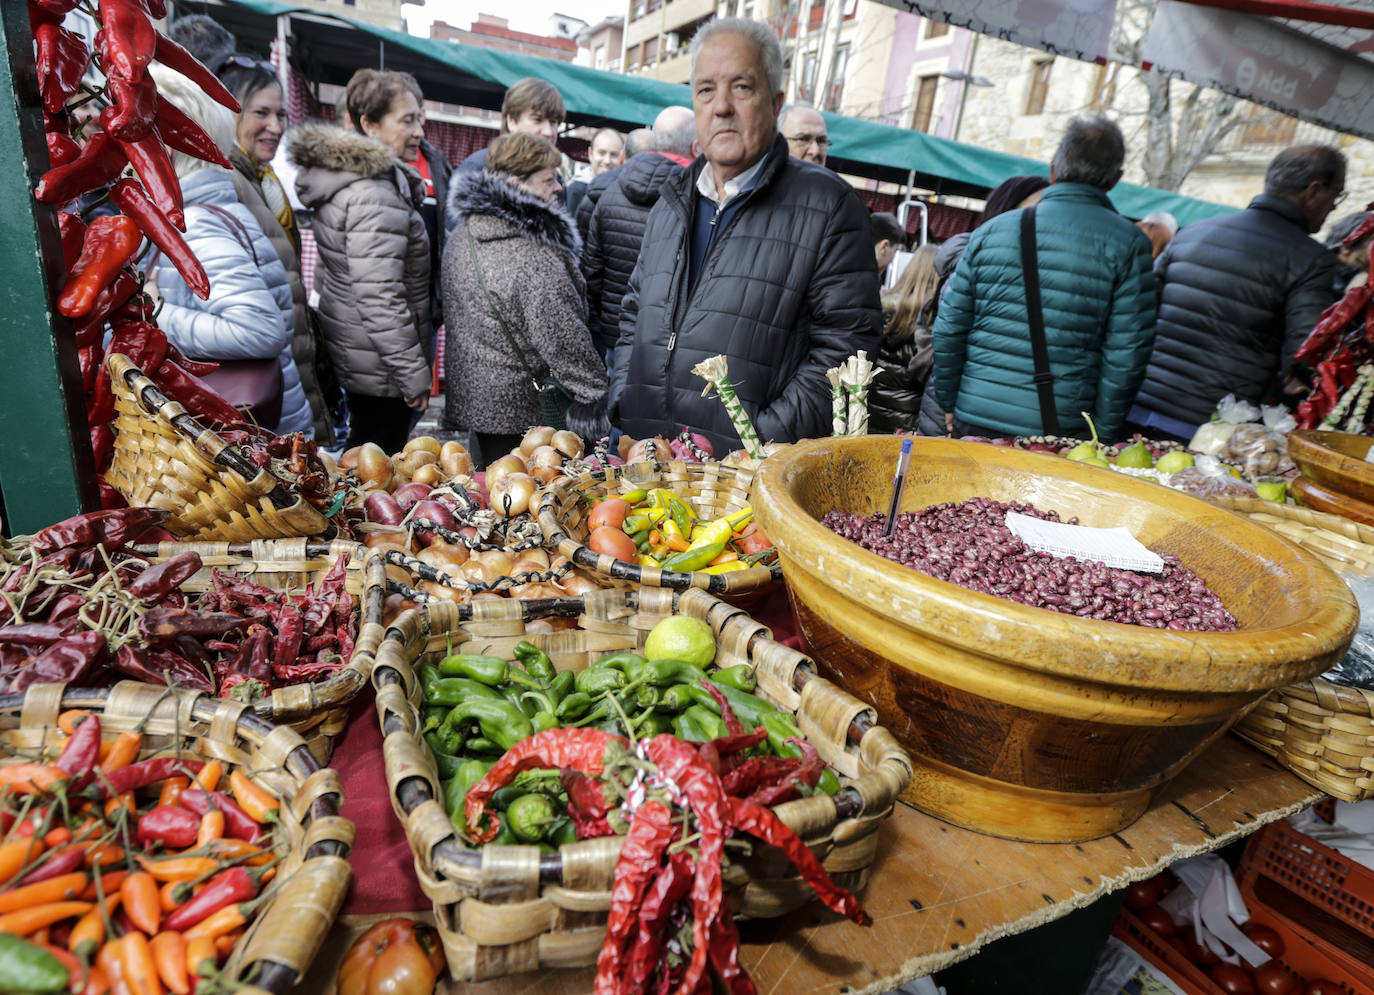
x,y
60,862
237,822
73,659
62,57
236,884
161,579
62,148
641,854
66,608
127,38
155,665
100,161
100,402
290,627
195,367
724,950
1331,325
102,447
668,889
143,343
134,110
129,195
192,393
143,773
52,8
150,160
73,231
1366,228
163,622
110,242
33,633
78,757
307,671
588,805
184,135
727,713
107,528
171,825
90,329
173,56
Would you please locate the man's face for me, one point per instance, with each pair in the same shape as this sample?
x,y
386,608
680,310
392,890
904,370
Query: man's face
x,y
737,116
806,136
533,122
607,153
886,252
1319,200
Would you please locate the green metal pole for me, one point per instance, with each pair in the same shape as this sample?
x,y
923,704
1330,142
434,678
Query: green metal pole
x,y
46,470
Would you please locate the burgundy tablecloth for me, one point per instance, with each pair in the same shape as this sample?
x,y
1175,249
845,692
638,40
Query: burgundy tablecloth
x,y
383,870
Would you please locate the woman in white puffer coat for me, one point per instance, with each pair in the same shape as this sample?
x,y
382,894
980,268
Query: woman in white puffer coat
x,y
250,314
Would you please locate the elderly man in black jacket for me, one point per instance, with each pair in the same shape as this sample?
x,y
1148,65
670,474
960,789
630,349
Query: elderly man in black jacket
x,y
1239,294
749,253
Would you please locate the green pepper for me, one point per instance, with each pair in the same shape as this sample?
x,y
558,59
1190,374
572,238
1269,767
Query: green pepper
x,y
686,727
545,782
782,726
456,789
674,699
740,677
449,691
444,741
542,721
563,832
617,661
574,706
535,660
613,726
750,709
502,722
480,744
829,782
530,816
505,836
637,524
428,674
651,724
489,670
561,686
541,700
595,680
515,694
27,968
695,559
445,765
683,516
518,676
712,725
665,672
641,542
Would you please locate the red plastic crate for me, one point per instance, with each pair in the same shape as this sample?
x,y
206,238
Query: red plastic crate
x,y
1326,899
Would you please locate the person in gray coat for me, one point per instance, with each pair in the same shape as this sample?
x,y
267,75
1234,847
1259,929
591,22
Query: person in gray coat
x,y
249,314
374,256
514,254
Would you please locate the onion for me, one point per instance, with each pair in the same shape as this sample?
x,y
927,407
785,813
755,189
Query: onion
x,y
528,560
540,625
497,562
577,584
381,507
512,494
455,460
374,466
330,467
536,437
348,459
488,596
441,592
423,443
568,443
546,464
393,606
387,538
535,590
502,467
649,451
410,462
431,474
449,559
408,494
475,570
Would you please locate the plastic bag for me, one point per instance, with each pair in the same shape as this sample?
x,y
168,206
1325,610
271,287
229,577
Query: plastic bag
x,y
1209,477
1262,449
1212,437
1356,668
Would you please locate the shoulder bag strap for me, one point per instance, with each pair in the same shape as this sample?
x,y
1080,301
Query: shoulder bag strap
x,y
1044,379
491,306
236,228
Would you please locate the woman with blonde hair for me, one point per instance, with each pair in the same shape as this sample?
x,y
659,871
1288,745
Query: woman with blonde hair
x,y
905,355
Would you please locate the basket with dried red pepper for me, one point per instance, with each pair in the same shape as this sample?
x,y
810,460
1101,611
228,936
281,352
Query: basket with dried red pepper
x,y
175,770
164,458
507,909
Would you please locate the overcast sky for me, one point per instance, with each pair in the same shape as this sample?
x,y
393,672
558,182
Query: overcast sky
x,y
529,15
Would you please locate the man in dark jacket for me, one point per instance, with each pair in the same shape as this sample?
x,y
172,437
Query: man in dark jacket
x,y
752,254
636,142
1239,294
616,228
1097,301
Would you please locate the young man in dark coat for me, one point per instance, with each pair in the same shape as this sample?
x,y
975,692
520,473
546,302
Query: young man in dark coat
x,y
750,254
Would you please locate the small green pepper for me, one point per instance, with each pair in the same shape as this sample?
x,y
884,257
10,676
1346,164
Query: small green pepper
x,y
515,694
489,670
445,740
682,515
595,681
449,691
530,816
782,726
674,699
636,524
535,660
750,709
741,677
28,969
428,674
505,836
651,724
518,676
561,686
829,782
694,559
482,745
712,725
446,766
502,722
686,727
665,672
456,788
563,832
616,661
542,721
574,706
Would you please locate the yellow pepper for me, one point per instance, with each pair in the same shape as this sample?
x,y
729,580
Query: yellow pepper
x,y
729,566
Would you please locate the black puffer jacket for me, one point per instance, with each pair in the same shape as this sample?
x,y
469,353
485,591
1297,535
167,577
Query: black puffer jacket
x,y
614,236
788,290
1239,294
904,360
591,196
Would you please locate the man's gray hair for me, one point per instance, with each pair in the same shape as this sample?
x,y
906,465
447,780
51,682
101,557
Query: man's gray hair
x,y
756,31
1163,218
675,129
1092,151
639,140
1293,170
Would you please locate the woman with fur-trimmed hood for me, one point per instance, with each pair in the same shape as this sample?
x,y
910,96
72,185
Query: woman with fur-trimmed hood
x,y
374,255
526,269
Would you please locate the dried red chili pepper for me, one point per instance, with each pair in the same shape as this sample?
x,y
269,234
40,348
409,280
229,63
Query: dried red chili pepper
x,y
195,367
143,343
143,773
78,757
237,884
184,135
194,394
724,950
668,889
1331,325
62,57
171,825
107,528
62,148
784,788
33,633
303,671
237,822
641,854
288,639
727,712
131,116
128,194
173,56
90,329
588,805
100,161
110,242
61,862
127,39
163,622
74,659
757,772
161,579
150,160
157,665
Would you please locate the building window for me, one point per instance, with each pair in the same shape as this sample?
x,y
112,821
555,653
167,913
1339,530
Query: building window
x,y
837,81
936,29
1039,86
637,11
925,103
632,59
810,65
599,57
650,51
1104,87
1267,127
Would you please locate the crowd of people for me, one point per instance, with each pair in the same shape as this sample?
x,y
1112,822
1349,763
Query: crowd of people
x,y
716,229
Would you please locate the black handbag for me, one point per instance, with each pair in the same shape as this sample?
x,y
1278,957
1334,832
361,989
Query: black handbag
x,y
1035,314
554,398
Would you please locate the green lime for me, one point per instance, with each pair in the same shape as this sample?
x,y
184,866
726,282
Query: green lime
x,y
1272,490
1174,461
681,637
1136,455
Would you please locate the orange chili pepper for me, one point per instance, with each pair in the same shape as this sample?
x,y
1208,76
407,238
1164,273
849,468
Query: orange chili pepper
x,y
169,955
267,875
201,957
676,541
27,779
179,868
58,836
141,903
16,853
172,788
232,849
125,801
107,854
210,775
30,920
218,923
90,928
257,801
67,720
96,982
211,827
55,889
728,556
109,885
140,972
170,895
123,752
110,961
224,945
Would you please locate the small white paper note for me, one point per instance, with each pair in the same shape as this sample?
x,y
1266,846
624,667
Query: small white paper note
x,y
1114,547
1369,456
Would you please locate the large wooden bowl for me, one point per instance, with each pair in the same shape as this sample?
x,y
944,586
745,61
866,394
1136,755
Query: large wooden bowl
x,y
1022,722
1313,495
1335,461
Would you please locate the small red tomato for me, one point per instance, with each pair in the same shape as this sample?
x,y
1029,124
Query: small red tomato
x,y
754,541
1323,986
610,512
1166,882
1265,937
1232,980
1272,978
394,957
1157,920
1200,953
1142,894
613,542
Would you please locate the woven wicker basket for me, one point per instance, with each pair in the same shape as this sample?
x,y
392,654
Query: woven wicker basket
x,y
276,951
164,458
713,489
1320,730
317,711
507,909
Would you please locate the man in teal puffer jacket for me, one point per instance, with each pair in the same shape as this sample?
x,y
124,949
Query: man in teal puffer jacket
x,y
1097,294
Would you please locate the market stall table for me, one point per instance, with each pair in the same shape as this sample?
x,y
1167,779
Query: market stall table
x,y
937,894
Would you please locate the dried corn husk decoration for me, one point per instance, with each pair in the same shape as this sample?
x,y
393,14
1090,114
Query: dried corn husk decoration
x,y
716,372
856,374
839,403
1354,400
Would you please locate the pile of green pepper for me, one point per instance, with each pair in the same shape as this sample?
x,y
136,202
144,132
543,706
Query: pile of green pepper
x,y
477,707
